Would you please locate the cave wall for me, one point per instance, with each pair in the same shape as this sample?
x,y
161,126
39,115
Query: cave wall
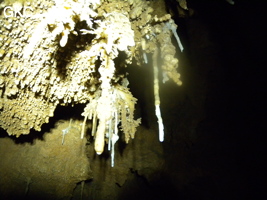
x,y
47,166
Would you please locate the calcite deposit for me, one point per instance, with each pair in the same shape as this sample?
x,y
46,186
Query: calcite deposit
x,y
63,52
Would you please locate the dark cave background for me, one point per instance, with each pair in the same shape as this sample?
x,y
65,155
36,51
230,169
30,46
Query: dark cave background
x,y
215,141
223,89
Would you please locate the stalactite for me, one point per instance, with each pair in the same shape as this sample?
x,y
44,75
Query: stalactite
x,y
65,55
156,95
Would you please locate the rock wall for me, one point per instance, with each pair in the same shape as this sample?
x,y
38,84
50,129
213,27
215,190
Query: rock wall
x,y
47,166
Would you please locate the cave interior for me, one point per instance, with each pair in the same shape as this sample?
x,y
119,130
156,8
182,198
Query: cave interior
x,y
214,146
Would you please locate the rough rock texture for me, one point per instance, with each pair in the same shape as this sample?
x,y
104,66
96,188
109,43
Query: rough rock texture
x,y
48,167
70,52
63,53
141,157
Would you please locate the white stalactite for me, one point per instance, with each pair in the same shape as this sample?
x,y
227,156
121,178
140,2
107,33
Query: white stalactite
x,y
100,137
173,27
156,96
113,142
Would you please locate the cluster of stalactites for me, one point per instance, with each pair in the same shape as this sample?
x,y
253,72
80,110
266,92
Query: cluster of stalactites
x,y
157,40
106,111
109,109
30,69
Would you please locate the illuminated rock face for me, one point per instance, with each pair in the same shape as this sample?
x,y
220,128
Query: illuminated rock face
x,y
63,52
45,167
